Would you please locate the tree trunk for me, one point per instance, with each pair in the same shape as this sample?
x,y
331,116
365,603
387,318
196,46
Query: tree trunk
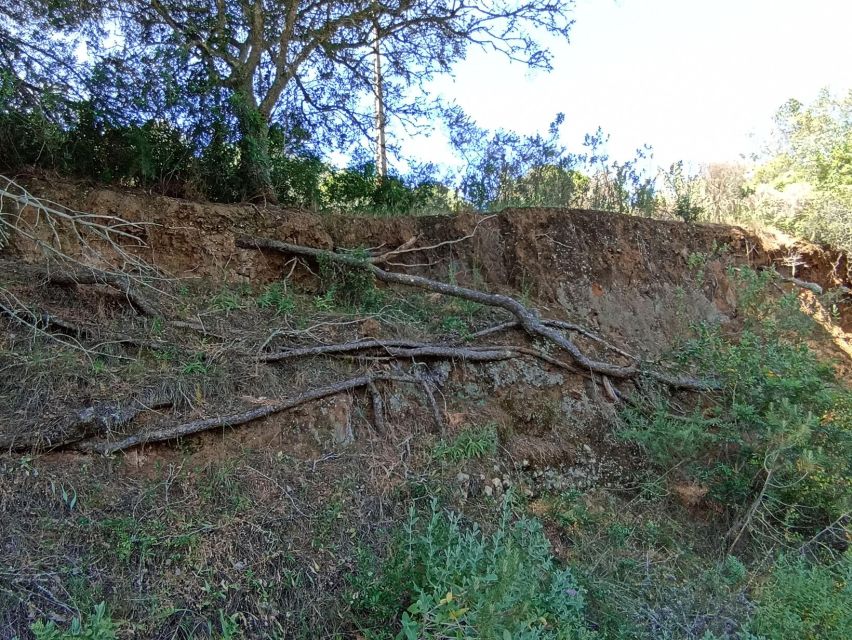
x,y
255,160
378,91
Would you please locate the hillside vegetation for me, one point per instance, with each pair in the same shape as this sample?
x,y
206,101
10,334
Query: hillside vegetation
x,y
246,392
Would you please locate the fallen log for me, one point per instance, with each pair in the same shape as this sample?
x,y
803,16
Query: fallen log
x,y
236,419
121,282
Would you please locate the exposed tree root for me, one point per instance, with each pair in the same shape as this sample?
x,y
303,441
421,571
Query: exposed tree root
x,y
117,281
237,419
526,318
79,425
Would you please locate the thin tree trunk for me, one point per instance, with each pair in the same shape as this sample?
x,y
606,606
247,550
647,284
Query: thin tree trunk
x,y
378,91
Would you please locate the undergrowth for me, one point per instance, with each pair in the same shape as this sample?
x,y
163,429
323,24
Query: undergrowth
x,y
774,446
445,578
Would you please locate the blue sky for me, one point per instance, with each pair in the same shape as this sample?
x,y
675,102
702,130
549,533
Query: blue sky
x,y
698,80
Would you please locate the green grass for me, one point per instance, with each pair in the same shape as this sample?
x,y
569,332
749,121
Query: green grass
x,y
477,442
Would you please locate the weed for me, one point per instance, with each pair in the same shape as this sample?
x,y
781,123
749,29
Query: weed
x,y
196,366
457,582
471,443
98,366
97,626
276,297
226,301
802,600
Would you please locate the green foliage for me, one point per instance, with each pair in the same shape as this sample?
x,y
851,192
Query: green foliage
x,y
351,287
780,423
446,580
276,297
97,626
198,365
470,443
226,301
686,192
803,601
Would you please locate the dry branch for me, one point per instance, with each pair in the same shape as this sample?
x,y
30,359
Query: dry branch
x,y
525,317
396,349
119,281
407,247
236,419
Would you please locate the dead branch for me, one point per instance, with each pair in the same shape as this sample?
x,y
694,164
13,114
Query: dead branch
x,y
101,238
95,419
526,318
556,324
396,349
118,281
407,248
237,419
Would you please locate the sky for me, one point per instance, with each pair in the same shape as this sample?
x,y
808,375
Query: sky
x,y
698,80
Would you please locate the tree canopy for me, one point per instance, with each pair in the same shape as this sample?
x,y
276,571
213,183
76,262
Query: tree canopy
x,y
209,67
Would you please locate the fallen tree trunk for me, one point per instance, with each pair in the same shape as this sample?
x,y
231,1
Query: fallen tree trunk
x,y
117,281
93,420
236,419
526,318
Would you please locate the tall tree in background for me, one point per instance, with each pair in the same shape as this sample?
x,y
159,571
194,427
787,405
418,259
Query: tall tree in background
x,y
313,60
39,69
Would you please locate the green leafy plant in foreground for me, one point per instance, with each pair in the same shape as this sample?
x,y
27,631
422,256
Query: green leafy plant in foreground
x,y
97,626
778,435
443,579
803,601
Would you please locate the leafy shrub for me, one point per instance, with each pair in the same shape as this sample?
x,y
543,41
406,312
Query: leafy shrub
x,y
779,427
98,626
445,580
803,601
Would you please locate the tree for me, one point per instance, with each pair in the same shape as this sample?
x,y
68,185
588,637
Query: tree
x,y
39,70
311,62
810,169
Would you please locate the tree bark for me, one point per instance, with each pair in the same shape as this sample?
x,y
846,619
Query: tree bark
x,y
255,158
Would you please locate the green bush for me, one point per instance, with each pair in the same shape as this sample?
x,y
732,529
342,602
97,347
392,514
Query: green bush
x,y
445,580
803,601
779,427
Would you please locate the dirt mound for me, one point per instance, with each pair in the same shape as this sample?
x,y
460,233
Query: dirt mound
x,y
626,275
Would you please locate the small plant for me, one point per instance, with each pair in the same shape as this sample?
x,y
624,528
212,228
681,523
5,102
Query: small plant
x,y
454,324
276,297
226,301
98,366
97,626
471,443
196,366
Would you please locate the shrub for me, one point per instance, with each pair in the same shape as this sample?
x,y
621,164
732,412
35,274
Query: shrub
x,y
445,580
803,601
779,428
